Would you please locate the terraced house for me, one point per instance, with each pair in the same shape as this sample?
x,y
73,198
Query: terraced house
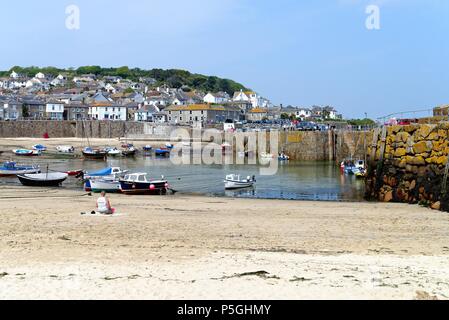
x,y
204,113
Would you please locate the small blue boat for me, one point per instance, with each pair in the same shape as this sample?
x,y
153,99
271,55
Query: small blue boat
x,y
147,148
39,147
162,152
10,168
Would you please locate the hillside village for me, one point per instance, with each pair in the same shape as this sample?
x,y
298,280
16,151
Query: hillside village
x,y
115,98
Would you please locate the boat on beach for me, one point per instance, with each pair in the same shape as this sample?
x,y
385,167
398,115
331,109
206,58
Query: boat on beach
x,y
109,173
104,184
53,179
234,181
39,147
141,184
10,168
65,149
74,173
26,152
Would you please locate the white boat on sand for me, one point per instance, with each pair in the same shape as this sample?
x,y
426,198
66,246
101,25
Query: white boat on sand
x,y
234,181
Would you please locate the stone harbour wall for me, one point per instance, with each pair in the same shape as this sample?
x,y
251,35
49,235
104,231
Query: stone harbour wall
x,y
409,164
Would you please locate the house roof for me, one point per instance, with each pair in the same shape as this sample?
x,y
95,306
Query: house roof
x,y
258,110
200,107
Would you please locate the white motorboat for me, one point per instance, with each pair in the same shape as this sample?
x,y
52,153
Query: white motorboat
x,y
65,149
114,152
104,184
234,181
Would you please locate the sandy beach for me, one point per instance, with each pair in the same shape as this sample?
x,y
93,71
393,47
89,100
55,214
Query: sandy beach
x,y
183,247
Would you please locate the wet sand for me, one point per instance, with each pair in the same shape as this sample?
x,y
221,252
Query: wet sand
x,y
183,247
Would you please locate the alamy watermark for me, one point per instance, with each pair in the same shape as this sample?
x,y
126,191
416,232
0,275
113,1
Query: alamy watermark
x,y
72,21
373,20
213,147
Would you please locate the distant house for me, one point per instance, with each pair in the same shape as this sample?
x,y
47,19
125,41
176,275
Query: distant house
x,y
216,98
40,75
251,96
55,110
146,113
441,111
10,110
34,108
257,114
203,113
76,111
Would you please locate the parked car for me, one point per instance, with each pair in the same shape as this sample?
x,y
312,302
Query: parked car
x,y
307,126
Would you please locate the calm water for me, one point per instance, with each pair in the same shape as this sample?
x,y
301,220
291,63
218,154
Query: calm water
x,y
294,180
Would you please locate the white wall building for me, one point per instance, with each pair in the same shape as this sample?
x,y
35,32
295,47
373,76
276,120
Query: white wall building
x,y
55,110
112,112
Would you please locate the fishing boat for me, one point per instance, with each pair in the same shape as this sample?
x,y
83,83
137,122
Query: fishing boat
x,y
65,149
104,184
147,148
129,152
26,152
10,168
39,147
169,145
53,179
140,183
234,181
162,152
94,154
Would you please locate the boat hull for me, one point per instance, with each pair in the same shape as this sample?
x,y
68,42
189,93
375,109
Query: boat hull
x,y
98,185
143,188
7,173
31,182
95,156
230,184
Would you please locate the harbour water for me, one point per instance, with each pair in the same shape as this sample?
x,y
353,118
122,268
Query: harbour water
x,y
320,181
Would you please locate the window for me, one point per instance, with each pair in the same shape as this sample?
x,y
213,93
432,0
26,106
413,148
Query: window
x,y
106,109
190,112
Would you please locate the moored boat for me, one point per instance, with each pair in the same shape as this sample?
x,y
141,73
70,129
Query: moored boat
x,y
106,173
234,181
74,173
162,152
140,183
52,179
169,145
147,148
10,168
94,154
113,152
129,152
26,152
65,149
104,184
40,147
283,157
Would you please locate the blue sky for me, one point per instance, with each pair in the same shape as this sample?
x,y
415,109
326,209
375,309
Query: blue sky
x,y
291,51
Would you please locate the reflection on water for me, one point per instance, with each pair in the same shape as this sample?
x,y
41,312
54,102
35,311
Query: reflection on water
x,y
294,180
